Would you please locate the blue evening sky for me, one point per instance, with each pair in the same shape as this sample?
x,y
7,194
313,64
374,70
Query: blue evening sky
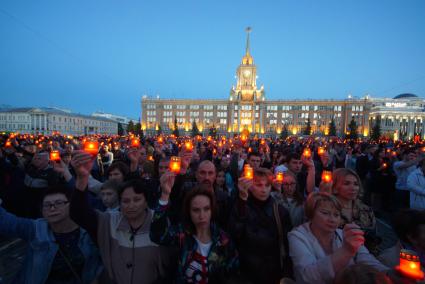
x,y
104,55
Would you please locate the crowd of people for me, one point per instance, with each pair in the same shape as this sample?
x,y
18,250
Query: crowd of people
x,y
166,209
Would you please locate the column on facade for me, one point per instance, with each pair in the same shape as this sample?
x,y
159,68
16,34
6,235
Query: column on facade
x,y
232,117
261,118
253,118
45,123
410,127
423,127
239,117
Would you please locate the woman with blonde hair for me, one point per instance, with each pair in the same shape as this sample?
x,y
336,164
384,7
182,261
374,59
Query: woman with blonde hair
x,y
346,187
319,249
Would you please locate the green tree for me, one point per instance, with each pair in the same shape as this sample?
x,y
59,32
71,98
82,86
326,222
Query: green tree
x,y
137,128
120,129
176,128
332,128
285,133
352,129
195,129
130,126
213,132
307,128
376,129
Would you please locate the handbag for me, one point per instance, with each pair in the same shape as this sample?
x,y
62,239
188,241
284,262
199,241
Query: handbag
x,y
280,234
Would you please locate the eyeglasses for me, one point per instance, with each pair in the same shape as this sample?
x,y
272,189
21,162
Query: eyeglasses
x,y
289,184
57,204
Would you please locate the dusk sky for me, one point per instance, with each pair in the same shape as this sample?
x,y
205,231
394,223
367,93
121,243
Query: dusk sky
x,y
105,55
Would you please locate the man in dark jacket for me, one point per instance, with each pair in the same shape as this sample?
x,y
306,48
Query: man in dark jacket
x,y
253,226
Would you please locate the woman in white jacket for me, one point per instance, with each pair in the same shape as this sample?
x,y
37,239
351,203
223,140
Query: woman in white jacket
x,y
319,250
416,186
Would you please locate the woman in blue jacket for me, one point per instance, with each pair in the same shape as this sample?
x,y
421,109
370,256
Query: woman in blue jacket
x,y
58,250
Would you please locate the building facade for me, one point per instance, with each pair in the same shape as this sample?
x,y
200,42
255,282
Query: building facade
x,y
248,108
47,120
124,120
400,117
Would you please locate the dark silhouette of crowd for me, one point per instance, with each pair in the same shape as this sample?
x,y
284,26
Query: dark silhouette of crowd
x,y
166,209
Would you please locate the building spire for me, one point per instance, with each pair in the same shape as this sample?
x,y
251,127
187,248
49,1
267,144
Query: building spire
x,y
248,31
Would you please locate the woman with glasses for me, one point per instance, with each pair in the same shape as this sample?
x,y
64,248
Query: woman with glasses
x,y
289,196
59,251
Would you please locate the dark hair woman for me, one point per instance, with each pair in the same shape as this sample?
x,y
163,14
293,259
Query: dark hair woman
x,y
207,254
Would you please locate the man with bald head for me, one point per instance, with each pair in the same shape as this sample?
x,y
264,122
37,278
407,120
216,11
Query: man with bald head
x,y
205,175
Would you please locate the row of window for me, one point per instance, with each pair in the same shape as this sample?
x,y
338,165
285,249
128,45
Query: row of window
x,y
13,117
193,107
183,120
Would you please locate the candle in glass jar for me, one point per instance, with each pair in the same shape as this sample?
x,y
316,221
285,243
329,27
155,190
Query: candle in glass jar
x,y
188,146
307,153
135,143
248,172
410,265
175,164
279,177
326,176
55,156
91,147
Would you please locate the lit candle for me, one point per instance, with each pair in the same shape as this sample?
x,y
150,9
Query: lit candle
x,y
410,265
326,176
55,156
307,153
279,177
248,172
160,139
262,142
91,147
135,143
320,151
209,138
8,144
384,165
188,146
150,158
175,164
